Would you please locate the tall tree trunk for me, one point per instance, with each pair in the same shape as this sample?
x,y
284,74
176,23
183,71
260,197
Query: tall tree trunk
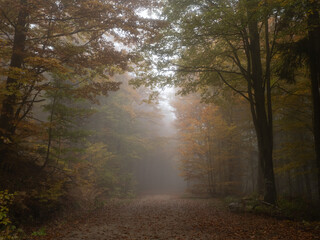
x,y
265,148
50,132
210,165
307,183
262,106
314,55
254,172
7,117
290,189
260,178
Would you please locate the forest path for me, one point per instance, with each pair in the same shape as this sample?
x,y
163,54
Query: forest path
x,y
168,217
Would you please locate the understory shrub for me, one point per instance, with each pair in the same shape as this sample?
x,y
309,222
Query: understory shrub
x,y
8,231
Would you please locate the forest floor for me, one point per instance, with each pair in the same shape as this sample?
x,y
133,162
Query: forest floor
x,y
169,217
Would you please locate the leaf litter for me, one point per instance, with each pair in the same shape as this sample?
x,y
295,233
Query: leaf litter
x,y
169,217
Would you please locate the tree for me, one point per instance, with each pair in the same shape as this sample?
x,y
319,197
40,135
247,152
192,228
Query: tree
x,y
67,110
294,155
300,49
313,20
39,37
125,125
229,42
215,143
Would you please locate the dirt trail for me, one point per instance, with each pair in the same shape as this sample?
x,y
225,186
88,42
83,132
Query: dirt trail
x,y
165,217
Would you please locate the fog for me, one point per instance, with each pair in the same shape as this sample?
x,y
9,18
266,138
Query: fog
x,y
105,101
159,173
141,138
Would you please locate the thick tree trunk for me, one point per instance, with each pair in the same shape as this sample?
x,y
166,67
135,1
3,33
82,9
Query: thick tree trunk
x,y
260,178
265,148
7,117
314,55
262,106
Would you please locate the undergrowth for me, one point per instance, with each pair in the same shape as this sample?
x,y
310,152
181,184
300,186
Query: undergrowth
x,y
292,209
8,231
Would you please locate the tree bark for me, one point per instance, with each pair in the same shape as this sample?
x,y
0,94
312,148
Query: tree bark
x,y
50,133
314,56
7,117
263,121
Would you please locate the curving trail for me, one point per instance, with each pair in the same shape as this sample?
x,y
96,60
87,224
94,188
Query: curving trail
x,y
167,217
